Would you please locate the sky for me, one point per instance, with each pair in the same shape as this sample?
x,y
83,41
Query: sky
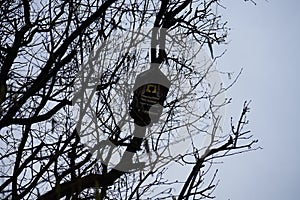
x,y
264,41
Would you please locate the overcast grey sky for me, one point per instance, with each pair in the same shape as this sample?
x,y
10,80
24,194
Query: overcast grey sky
x,y
264,41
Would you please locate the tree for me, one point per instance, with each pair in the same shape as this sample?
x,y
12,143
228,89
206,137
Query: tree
x,y
50,53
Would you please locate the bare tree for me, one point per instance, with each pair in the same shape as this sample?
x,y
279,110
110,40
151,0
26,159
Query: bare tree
x,y
56,55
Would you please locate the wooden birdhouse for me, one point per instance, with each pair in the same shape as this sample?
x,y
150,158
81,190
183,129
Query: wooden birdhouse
x,y
150,91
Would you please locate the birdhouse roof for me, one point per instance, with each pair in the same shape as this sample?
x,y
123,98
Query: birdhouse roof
x,y
153,75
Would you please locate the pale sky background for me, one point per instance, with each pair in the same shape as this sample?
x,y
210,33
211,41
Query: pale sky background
x,y
265,42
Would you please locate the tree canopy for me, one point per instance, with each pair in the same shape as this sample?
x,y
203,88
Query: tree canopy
x,y
68,70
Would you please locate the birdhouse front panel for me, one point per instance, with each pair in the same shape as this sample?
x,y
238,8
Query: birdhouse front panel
x,y
150,91
147,103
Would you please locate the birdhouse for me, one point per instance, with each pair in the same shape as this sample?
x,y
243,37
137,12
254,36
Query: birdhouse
x,y
150,91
